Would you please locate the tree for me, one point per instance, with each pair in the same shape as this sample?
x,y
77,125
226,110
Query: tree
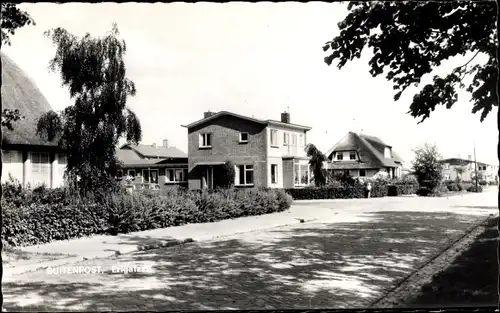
x,y
411,38
316,161
94,71
11,19
224,175
460,170
426,167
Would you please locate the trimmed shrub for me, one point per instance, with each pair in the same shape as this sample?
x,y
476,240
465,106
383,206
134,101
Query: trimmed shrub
x,y
473,189
483,182
122,212
423,191
452,185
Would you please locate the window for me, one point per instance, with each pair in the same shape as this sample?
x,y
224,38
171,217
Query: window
x,y
286,139
40,168
301,174
274,173
175,175
274,137
352,155
294,140
131,173
302,141
362,173
150,176
243,137
205,140
340,156
62,162
244,175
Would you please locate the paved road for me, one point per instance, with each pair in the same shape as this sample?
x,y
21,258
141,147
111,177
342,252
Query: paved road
x,y
356,251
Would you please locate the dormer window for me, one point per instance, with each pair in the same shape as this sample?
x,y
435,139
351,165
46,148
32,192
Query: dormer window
x,y
387,153
352,156
340,156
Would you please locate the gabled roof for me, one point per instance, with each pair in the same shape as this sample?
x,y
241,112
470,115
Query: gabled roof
x,y
258,121
370,151
159,152
459,161
20,92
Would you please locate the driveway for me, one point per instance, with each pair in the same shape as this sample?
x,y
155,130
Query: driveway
x,y
357,252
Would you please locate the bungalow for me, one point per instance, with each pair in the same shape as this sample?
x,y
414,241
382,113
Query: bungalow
x,y
28,158
363,156
153,167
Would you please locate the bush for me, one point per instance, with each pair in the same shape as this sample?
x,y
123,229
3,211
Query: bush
x,y
473,189
392,191
55,217
483,182
452,185
423,191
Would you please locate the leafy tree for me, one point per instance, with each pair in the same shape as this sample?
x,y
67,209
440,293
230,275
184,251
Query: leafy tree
x,y
94,71
316,162
409,39
460,170
426,167
11,19
224,175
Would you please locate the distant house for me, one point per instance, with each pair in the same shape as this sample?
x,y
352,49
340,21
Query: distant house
x,y
266,153
27,157
465,169
363,156
153,167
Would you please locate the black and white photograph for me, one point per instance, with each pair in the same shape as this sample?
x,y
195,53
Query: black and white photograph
x,y
249,156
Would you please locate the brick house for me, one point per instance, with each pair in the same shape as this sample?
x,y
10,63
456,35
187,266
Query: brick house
x,y
28,158
265,153
451,168
363,156
153,167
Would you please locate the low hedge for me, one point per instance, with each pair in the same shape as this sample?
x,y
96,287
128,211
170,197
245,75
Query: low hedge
x,y
122,213
473,189
380,188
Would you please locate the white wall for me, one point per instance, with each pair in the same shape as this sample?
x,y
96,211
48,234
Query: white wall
x,y
289,150
12,164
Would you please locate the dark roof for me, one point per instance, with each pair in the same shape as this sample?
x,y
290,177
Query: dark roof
x,y
370,150
20,92
258,121
148,151
459,161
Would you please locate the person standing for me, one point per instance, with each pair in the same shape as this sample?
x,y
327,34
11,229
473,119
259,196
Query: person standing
x,y
368,190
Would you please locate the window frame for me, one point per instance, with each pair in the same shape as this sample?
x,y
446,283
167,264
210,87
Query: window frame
x,y
132,170
246,168
241,140
205,141
308,171
174,170
339,156
275,180
149,176
352,155
275,143
362,170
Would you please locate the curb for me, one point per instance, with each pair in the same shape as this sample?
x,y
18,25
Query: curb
x,y
411,285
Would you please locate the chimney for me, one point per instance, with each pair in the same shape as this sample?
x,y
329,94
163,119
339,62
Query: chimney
x,y
153,145
208,114
165,143
285,117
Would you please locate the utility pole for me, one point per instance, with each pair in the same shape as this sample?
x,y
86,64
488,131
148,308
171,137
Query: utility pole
x,y
475,168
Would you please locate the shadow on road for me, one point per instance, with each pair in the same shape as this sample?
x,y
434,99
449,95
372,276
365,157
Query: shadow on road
x,y
338,265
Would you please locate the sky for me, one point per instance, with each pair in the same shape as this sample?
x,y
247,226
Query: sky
x,y
254,59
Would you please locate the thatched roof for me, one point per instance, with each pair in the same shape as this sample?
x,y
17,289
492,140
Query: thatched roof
x,y
20,92
370,150
148,151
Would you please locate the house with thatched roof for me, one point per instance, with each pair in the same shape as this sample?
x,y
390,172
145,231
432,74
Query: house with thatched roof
x,y
27,157
363,156
152,166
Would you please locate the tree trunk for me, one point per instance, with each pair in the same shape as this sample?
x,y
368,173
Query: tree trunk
x,y
498,146
1,217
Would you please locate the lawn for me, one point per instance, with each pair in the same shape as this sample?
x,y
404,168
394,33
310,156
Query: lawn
x,y
471,280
